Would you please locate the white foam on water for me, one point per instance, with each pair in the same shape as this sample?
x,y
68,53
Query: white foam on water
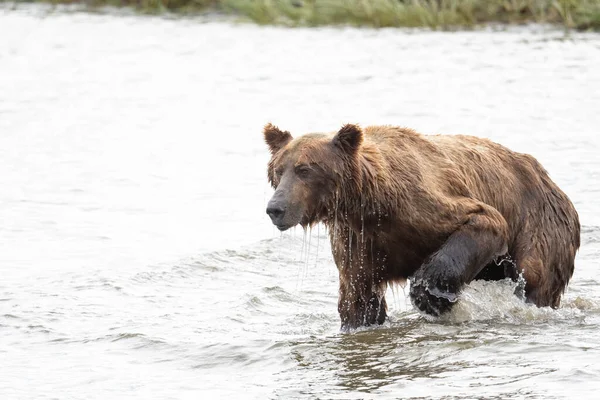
x,y
495,300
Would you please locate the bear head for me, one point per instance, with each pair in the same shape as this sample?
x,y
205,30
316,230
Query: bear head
x,y
309,173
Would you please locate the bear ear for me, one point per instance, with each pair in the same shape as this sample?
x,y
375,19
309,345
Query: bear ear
x,y
275,138
348,138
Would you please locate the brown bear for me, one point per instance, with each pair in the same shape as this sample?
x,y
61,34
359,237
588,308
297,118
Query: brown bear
x,y
440,210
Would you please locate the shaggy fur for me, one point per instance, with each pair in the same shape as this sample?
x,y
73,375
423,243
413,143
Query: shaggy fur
x,y
438,209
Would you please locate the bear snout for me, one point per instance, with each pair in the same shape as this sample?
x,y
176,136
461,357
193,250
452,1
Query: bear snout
x,y
276,212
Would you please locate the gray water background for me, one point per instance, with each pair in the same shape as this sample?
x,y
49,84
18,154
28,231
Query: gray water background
x,y
137,262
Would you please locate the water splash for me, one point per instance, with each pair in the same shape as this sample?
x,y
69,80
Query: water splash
x,y
582,304
495,301
488,300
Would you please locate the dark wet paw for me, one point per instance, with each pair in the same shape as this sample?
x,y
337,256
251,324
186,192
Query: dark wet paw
x,y
432,301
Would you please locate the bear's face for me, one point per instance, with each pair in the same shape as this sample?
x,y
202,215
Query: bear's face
x,y
307,172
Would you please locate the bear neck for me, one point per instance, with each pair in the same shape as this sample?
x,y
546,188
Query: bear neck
x,y
364,199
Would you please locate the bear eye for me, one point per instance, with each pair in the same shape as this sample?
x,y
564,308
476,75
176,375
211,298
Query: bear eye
x,y
302,171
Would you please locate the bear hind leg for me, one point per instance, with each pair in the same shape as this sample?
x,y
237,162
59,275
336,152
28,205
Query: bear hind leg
x,y
532,268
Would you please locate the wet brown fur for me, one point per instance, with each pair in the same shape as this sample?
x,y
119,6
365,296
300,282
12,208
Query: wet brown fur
x,y
399,204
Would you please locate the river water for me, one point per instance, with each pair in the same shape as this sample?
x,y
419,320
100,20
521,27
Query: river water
x,y
137,261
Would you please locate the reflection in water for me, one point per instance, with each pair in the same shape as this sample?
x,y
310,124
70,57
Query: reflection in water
x,y
373,359
407,354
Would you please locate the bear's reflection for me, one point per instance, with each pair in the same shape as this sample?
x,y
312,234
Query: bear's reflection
x,y
375,358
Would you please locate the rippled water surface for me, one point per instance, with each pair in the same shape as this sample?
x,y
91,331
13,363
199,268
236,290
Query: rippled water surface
x,y
136,258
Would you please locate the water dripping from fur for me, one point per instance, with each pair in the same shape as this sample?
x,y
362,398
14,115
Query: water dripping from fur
x,y
301,274
307,251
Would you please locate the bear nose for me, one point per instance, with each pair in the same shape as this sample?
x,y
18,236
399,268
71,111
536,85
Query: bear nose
x,y
275,212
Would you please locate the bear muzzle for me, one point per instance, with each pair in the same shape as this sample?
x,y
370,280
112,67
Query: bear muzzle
x,y
277,214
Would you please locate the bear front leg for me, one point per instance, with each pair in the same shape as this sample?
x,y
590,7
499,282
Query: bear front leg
x,y
362,289
481,237
360,305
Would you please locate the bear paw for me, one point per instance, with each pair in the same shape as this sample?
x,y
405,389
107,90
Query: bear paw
x,y
431,299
